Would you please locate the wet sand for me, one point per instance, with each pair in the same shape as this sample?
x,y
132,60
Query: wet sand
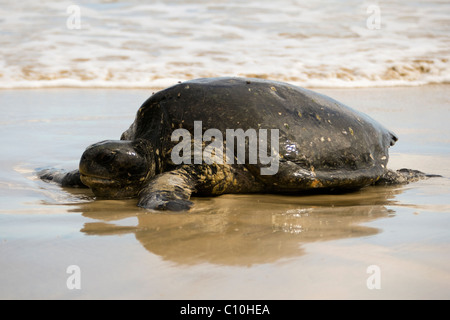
x,y
228,247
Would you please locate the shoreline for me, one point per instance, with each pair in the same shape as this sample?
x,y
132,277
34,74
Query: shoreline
x,y
145,86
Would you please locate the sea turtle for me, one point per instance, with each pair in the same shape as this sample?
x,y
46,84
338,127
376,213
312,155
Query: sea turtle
x,y
322,145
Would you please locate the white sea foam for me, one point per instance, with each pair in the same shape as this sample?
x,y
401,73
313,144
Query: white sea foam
x,y
327,43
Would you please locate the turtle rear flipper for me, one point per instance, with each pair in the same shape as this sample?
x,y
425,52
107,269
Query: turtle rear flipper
x,y
403,176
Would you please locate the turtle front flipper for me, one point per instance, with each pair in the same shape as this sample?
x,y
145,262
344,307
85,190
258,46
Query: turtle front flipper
x,y
168,191
65,179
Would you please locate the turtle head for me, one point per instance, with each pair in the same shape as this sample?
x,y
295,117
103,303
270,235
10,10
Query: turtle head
x,y
117,169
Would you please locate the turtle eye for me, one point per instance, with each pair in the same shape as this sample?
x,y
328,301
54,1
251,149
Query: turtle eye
x,y
106,158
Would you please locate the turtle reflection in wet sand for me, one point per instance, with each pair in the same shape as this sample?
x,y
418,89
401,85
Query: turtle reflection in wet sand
x,y
243,230
323,146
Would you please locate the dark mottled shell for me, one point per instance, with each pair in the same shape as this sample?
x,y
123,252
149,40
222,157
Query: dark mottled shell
x,y
317,133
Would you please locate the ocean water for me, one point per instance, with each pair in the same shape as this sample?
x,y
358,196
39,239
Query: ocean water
x,y
326,43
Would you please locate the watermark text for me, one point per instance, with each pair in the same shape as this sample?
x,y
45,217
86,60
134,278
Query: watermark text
x,y
250,146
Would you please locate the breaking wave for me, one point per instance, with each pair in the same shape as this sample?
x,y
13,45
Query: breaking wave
x,y
327,43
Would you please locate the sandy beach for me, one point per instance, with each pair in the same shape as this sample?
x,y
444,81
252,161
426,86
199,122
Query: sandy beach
x,y
228,247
